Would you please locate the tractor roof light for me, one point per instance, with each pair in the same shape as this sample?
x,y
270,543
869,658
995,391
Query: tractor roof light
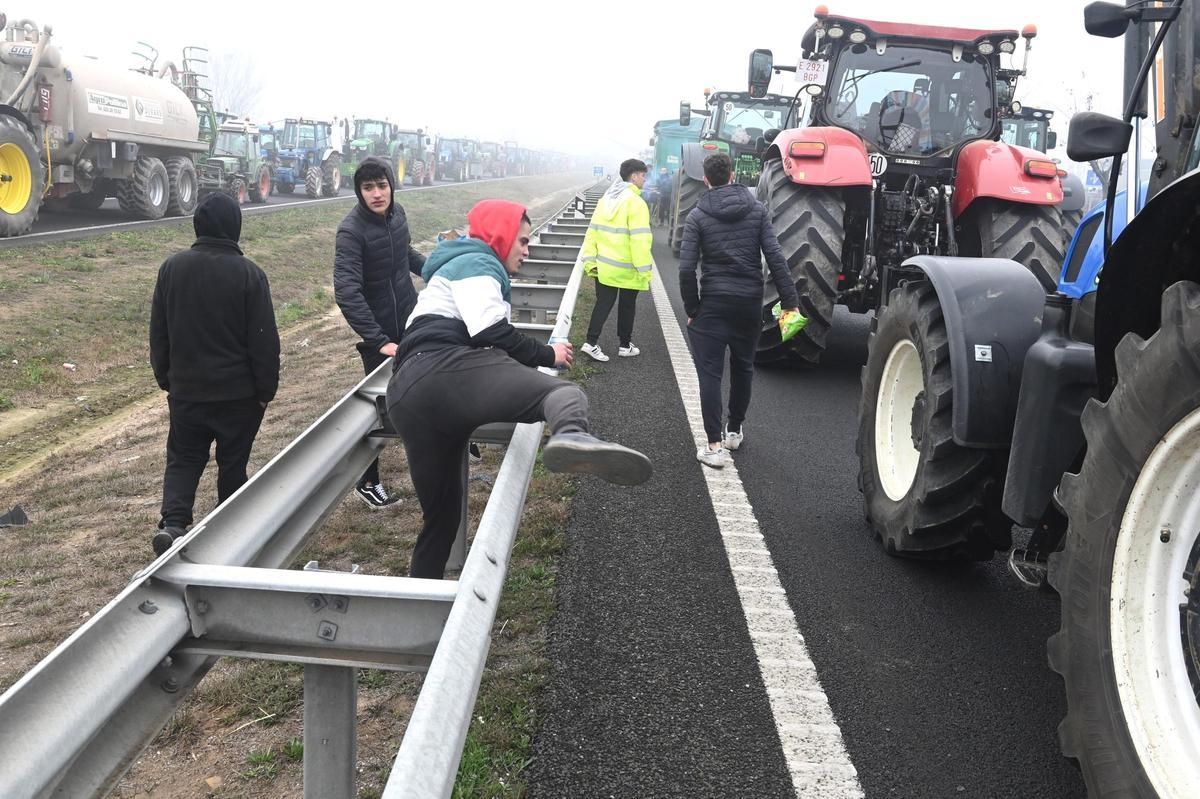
x,y
814,90
1029,31
1008,46
858,36
835,32
821,11
807,149
1016,107
986,48
1041,169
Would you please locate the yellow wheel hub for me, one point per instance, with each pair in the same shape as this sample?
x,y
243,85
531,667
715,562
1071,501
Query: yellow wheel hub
x,y
16,179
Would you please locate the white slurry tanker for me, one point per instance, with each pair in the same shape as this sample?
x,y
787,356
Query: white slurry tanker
x,y
76,129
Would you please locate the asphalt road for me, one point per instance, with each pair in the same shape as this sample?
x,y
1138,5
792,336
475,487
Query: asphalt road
x,y
936,673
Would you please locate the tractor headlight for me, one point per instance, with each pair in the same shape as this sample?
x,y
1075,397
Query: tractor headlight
x,y
835,32
1008,46
858,36
814,90
986,48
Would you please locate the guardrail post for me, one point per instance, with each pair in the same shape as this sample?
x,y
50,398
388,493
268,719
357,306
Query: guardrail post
x,y
330,736
458,551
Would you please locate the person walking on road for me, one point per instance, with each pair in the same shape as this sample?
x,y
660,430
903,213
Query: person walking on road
x,y
214,349
728,232
665,187
373,264
616,252
462,364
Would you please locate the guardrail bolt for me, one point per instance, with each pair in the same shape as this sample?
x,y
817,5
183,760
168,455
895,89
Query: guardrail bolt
x,y
327,631
170,685
1164,534
148,607
479,594
202,607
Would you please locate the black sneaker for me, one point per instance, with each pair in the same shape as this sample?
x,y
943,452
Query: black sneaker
x,y
585,454
164,539
376,496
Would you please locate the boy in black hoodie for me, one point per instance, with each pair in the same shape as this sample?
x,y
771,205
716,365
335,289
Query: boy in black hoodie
x,y
214,349
730,232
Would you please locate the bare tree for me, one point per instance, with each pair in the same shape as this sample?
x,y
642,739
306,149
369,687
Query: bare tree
x,y
237,86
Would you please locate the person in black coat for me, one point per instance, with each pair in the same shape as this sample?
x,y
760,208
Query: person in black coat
x,y
728,232
214,349
373,264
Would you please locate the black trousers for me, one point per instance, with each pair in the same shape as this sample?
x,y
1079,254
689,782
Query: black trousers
x,y
732,325
436,400
371,359
606,296
194,428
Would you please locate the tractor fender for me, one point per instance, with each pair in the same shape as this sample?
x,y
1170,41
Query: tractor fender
x,y
1074,197
10,111
844,163
328,152
993,309
997,169
693,154
1156,250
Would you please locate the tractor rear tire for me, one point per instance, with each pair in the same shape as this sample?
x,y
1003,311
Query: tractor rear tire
x,y
398,171
924,495
1071,220
312,182
24,178
260,189
808,222
1031,235
147,192
331,176
1129,645
182,185
687,194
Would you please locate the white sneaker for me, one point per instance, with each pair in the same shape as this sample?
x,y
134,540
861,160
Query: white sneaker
x,y
716,458
594,352
731,441
628,352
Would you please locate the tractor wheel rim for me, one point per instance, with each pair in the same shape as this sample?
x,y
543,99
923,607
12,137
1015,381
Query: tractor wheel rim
x,y
156,189
1153,610
187,188
896,458
16,179
264,183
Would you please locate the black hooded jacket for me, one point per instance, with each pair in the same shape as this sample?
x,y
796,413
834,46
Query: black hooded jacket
x,y
372,262
212,326
728,232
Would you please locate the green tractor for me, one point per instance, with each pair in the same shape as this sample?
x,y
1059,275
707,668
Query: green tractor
x,y
735,124
373,137
418,156
235,164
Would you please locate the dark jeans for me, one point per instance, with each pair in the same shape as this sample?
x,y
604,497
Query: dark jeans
x,y
606,296
371,359
732,325
194,427
436,400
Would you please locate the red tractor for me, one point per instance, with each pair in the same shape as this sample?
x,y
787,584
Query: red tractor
x,y
899,155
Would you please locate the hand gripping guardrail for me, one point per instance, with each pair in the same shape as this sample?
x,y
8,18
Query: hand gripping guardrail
x,y
74,723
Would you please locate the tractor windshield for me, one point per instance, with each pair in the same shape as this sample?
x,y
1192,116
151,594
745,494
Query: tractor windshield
x,y
410,141
231,142
913,100
1029,133
450,148
743,122
268,140
369,129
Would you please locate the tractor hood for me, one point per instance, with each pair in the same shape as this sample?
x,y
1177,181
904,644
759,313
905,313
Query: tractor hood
x,y
227,163
362,144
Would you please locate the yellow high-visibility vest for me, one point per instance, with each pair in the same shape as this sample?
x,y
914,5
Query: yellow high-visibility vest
x,y
616,248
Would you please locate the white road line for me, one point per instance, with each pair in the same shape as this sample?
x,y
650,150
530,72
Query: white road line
x,y
811,740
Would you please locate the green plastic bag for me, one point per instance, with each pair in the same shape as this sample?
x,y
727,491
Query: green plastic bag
x,y
790,323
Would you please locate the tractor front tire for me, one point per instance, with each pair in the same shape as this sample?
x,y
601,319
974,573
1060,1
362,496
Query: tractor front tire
x,y
182,185
312,182
147,192
687,194
286,187
924,495
331,176
237,190
260,190
808,222
1128,649
1031,235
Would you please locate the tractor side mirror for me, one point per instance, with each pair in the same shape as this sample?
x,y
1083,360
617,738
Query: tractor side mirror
x,y
1094,136
1105,19
761,64
685,115
1051,140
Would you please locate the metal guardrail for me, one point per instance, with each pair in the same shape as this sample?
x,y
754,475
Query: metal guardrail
x,y
75,722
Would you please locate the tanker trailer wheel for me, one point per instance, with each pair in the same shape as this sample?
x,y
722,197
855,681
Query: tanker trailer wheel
x,y
331,176
1129,573
260,190
687,194
22,178
181,181
146,193
924,495
1031,235
808,222
312,182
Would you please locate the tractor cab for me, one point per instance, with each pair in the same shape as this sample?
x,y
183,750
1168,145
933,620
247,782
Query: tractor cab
x,y
738,124
371,137
1029,127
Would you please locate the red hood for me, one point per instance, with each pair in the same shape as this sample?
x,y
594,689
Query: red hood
x,y
496,223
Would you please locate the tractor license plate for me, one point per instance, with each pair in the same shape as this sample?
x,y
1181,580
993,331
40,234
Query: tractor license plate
x,y
810,71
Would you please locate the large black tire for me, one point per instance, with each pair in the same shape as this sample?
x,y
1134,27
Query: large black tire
x,y
1028,234
809,224
687,194
331,176
147,192
286,187
20,195
924,495
238,191
312,182
1116,534
1071,220
260,189
182,185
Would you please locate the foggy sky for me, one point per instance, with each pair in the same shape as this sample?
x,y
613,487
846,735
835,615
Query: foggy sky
x,y
539,72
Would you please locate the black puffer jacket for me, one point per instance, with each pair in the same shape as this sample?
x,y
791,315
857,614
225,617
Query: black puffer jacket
x,y
726,232
372,262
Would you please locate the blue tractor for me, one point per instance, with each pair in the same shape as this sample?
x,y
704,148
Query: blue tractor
x,y
1074,417
307,158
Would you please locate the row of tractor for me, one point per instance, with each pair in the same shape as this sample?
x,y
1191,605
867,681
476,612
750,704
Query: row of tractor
x,y
76,131
1030,374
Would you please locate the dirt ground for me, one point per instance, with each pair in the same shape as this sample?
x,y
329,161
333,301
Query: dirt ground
x,y
88,473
